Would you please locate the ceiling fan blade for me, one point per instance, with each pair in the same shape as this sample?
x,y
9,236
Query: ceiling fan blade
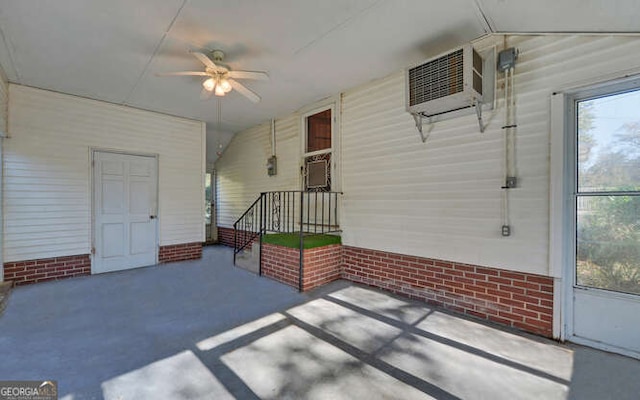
x,y
183,73
204,59
243,90
206,94
255,75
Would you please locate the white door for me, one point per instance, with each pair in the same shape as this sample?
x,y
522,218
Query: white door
x,y
125,204
605,272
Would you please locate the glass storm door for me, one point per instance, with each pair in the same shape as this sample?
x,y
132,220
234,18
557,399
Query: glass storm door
x,y
606,289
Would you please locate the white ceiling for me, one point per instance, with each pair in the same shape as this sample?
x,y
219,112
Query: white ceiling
x,y
111,49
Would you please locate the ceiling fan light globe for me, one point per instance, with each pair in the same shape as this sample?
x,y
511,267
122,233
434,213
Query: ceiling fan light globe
x,y
219,91
225,85
209,84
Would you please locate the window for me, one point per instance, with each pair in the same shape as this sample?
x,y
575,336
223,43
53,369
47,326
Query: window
x,y
317,151
319,131
208,198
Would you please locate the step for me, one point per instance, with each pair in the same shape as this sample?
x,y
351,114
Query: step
x,y
5,290
249,259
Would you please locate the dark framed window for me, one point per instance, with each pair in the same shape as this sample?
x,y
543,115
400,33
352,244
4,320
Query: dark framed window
x,y
317,151
319,131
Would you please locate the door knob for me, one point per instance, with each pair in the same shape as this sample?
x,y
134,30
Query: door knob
x,y
152,217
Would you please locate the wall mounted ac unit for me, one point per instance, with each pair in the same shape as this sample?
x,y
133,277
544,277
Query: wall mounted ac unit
x,y
446,83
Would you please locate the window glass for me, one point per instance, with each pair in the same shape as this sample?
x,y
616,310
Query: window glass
x,y
609,143
608,195
319,131
608,239
208,198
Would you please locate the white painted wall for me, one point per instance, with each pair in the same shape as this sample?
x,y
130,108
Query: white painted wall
x,y
442,199
47,200
242,169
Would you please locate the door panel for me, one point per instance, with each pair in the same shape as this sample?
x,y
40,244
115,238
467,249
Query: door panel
x,y
139,197
137,168
112,196
112,167
141,233
112,246
125,200
607,318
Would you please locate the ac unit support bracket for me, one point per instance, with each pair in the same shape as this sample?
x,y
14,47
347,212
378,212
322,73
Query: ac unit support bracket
x,y
478,106
417,117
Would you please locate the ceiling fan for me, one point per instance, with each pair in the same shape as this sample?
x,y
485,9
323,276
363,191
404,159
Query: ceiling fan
x,y
220,79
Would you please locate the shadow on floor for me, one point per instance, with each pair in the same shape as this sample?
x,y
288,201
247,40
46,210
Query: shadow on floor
x,y
205,329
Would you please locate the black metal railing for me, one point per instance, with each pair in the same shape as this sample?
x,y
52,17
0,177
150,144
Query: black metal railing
x,y
247,227
288,211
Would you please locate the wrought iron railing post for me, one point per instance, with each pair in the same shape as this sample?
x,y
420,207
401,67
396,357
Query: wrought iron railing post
x,y
263,223
301,269
235,241
335,210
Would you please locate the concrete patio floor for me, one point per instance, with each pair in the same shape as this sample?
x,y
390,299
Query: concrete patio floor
x,y
207,330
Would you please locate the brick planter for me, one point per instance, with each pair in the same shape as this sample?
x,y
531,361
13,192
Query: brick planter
x,y
320,265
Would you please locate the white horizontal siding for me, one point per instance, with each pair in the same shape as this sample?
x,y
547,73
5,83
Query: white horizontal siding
x,y
442,199
4,105
47,187
242,172
4,102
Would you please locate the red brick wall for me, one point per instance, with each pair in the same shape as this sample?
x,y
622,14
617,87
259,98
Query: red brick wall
x,y
180,252
281,263
519,300
321,265
47,269
225,236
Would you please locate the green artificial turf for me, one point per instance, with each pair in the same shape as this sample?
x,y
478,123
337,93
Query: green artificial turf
x,y
293,240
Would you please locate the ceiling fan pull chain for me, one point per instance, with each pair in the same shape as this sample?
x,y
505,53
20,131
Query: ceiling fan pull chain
x,y
219,114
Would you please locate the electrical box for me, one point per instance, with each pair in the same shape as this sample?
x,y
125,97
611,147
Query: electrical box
x,y
507,59
506,230
272,166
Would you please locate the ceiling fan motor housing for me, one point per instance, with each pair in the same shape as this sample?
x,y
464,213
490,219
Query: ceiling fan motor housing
x,y
217,55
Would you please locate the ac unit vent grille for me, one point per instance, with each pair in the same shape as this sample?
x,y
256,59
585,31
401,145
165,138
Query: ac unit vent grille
x,y
436,79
